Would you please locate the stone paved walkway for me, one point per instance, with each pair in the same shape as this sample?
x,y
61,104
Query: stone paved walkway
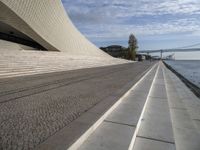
x,y
33,108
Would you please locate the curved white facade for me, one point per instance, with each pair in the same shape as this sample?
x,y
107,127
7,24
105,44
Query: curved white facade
x,y
46,22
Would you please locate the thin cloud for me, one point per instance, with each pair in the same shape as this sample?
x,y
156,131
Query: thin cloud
x,y
116,19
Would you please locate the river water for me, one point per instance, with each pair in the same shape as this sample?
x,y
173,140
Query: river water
x,y
190,69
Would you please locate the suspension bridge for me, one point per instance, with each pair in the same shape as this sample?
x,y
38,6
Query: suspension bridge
x,y
188,48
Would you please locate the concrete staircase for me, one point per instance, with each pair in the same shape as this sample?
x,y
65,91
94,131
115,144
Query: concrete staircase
x,y
20,63
158,113
11,46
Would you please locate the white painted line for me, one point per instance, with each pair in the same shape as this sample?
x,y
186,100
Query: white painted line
x,y
81,140
142,114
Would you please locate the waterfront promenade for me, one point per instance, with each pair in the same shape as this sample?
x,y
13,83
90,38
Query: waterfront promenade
x,y
158,113
133,106
35,108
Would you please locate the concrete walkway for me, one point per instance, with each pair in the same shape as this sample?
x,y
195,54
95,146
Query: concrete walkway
x,y
156,132
160,113
185,113
50,111
117,130
75,110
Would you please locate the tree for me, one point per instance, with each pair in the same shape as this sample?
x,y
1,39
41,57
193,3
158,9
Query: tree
x,y
133,45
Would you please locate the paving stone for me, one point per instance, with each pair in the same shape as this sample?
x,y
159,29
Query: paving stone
x,y
182,119
159,91
127,113
157,122
187,139
148,144
109,136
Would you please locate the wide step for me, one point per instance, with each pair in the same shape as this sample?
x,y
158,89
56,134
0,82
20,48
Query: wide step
x,y
21,63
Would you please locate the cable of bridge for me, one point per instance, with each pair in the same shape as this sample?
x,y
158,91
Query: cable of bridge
x,y
177,49
187,46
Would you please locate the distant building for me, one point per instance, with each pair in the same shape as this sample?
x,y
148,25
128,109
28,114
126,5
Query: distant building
x,y
141,57
117,51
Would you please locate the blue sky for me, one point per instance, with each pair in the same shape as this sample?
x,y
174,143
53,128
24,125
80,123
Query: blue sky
x,y
157,24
